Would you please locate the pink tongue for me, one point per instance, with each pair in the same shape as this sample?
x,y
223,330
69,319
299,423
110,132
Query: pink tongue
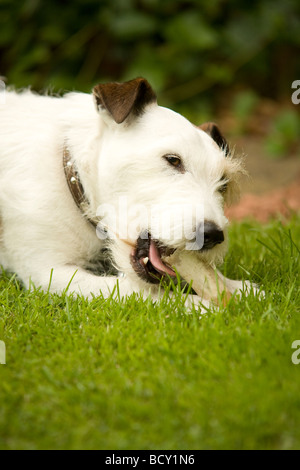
x,y
156,261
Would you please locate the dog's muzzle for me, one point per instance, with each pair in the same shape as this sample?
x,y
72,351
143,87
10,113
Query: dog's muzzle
x,y
147,258
212,235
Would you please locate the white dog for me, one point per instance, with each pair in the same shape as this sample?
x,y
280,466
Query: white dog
x,y
117,159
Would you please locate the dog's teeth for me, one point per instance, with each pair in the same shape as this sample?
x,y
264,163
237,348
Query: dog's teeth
x,y
145,260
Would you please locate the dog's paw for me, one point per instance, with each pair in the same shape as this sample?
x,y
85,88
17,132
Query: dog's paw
x,y
246,287
195,302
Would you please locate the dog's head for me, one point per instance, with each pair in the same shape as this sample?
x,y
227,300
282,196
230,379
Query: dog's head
x,y
163,182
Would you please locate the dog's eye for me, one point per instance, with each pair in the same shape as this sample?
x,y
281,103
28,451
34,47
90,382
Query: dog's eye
x,y
223,186
174,160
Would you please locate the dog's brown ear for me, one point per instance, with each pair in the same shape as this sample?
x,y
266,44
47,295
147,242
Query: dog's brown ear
x,y
123,99
213,130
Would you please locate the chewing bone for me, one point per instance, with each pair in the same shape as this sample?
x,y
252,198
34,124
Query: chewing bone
x,y
206,281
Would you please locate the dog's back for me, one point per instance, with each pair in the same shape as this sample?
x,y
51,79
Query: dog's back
x,y
35,204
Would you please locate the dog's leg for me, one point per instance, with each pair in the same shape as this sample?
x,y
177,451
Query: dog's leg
x,y
240,286
78,281
208,283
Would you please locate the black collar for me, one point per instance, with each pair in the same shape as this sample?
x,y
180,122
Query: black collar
x,y
75,186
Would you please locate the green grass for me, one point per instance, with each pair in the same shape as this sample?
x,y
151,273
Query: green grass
x,y
134,375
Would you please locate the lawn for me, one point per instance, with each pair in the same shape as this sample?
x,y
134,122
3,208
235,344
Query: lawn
x,y
136,375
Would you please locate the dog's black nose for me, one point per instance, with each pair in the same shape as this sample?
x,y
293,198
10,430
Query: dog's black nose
x,y
212,235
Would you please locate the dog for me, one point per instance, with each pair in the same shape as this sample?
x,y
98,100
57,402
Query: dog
x,y
88,180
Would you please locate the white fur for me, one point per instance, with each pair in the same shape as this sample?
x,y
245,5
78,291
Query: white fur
x,y
41,229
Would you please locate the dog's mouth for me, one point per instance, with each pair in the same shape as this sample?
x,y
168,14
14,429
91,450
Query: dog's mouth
x,y
146,259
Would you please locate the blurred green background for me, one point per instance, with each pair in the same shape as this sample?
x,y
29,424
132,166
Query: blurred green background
x,y
200,56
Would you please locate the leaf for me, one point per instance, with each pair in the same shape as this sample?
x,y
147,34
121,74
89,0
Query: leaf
x,y
189,31
131,25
